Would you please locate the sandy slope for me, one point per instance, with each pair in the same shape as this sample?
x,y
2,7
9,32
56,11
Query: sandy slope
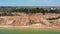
x,y
23,20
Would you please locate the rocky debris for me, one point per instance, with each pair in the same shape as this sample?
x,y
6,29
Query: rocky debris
x,y
38,25
22,19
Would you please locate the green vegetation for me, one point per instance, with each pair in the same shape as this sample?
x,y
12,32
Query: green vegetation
x,y
37,10
28,31
29,10
53,18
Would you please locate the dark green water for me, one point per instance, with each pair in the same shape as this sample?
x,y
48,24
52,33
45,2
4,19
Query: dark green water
x,y
28,31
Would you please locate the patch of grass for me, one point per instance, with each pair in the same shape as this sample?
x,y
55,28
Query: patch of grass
x,y
28,31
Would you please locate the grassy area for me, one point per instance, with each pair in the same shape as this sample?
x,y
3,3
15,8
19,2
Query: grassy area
x,y
28,31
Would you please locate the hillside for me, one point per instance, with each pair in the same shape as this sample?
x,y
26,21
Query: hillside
x,y
41,17
33,20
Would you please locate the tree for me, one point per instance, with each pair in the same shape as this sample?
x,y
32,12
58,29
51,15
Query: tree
x,y
25,10
42,11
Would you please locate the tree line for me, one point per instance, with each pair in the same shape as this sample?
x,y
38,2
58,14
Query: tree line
x,y
36,10
30,10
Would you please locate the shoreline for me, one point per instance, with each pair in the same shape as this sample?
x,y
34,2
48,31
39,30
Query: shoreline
x,y
29,27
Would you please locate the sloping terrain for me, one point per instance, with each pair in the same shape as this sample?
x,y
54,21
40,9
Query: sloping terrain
x,y
22,19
